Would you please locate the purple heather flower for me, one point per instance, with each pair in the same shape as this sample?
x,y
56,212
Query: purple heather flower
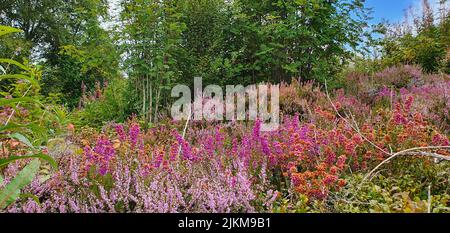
x,y
121,132
257,129
134,134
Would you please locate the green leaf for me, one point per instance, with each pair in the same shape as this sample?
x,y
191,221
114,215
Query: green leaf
x,y
12,62
29,195
1,179
22,139
6,30
20,127
12,190
49,159
12,126
4,101
19,76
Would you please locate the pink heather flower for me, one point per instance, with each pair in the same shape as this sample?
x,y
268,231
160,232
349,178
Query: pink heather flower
x,y
158,159
174,151
234,148
121,132
341,161
186,150
385,92
257,129
104,148
399,118
273,195
404,91
331,157
209,145
408,103
304,130
103,153
73,170
73,206
134,134
265,146
87,152
439,140
31,207
329,179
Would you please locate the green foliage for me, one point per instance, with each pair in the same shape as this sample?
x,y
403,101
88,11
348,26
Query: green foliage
x,y
12,190
168,42
12,62
13,44
298,38
113,105
238,42
395,193
428,47
72,45
4,30
205,41
50,160
152,35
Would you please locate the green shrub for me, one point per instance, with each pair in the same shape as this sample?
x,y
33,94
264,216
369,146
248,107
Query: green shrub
x,y
112,105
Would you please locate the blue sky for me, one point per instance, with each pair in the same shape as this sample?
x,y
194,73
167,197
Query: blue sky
x,y
392,10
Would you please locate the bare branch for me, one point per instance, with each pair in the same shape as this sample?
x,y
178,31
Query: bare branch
x,y
412,151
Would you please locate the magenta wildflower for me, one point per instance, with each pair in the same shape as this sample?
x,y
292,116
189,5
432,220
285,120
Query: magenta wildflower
x,y
134,134
257,129
101,155
121,132
186,149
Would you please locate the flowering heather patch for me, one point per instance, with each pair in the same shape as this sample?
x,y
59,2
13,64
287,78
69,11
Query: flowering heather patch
x,y
400,76
127,178
101,155
431,100
318,153
393,85
217,169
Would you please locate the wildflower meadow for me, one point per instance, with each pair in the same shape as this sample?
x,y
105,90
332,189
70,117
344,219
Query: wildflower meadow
x,y
86,124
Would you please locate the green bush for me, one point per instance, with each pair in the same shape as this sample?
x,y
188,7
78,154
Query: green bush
x,y
112,105
399,190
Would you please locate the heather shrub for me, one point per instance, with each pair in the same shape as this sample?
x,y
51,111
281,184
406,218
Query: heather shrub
x,y
366,86
290,100
430,99
300,98
314,162
384,89
123,175
359,84
399,76
235,167
316,159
